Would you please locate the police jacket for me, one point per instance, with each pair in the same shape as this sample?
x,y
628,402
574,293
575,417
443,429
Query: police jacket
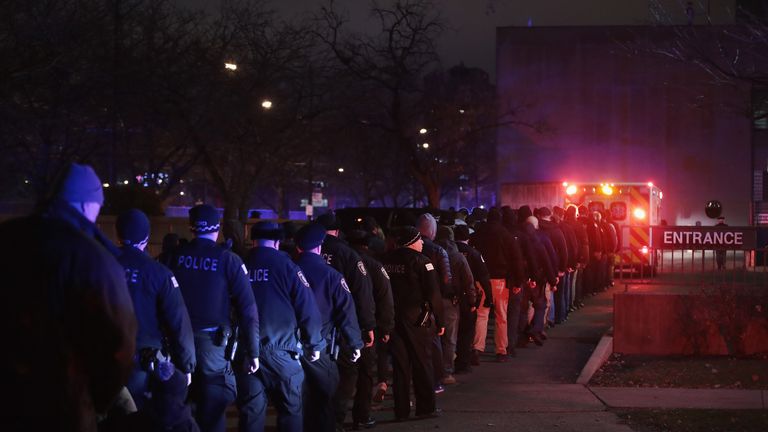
x,y
211,279
572,243
68,321
334,301
158,305
502,252
479,270
439,258
594,235
344,259
556,236
382,292
539,265
414,283
581,237
285,300
463,282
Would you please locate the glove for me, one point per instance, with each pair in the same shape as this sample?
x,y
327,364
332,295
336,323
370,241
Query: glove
x,y
313,356
355,356
253,365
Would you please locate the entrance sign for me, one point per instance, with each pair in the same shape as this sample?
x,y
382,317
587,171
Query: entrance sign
x,y
698,238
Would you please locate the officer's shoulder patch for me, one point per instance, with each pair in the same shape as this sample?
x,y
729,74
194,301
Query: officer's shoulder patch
x,y
245,270
344,285
302,278
174,282
429,267
361,267
384,272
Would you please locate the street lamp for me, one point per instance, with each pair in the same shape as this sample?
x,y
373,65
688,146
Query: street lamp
x,y
266,104
423,131
341,170
425,146
230,66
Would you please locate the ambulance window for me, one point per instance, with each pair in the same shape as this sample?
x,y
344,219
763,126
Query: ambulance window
x,y
596,206
618,211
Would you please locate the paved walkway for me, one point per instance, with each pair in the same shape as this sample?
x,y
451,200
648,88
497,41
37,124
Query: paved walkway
x,y
538,391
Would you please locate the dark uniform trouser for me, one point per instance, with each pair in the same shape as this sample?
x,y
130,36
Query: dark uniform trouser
x,y
465,336
347,383
361,409
382,359
437,358
213,385
513,314
320,381
411,349
280,377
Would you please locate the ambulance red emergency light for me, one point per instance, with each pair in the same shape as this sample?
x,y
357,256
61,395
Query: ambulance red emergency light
x,y
634,206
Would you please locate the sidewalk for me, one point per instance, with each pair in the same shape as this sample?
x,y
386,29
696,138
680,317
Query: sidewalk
x,y
537,390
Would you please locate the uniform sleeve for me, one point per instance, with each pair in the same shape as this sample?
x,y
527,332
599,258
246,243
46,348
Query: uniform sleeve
x,y
305,308
176,319
105,324
382,292
467,283
245,305
344,315
431,290
362,291
480,273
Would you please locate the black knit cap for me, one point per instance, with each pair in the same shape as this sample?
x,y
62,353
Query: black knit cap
x,y
310,236
132,226
203,219
328,220
267,230
406,236
461,233
358,237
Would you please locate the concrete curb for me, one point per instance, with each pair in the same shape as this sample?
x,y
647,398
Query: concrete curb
x,y
601,353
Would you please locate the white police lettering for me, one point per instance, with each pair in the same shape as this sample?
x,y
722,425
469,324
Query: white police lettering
x,y
245,270
361,267
345,286
328,258
131,275
174,282
198,263
384,272
429,267
302,278
259,275
703,238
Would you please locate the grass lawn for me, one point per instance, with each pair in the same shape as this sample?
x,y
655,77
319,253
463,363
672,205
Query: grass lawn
x,y
658,420
683,372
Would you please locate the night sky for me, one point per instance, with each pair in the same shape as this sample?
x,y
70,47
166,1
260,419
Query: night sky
x,y
471,33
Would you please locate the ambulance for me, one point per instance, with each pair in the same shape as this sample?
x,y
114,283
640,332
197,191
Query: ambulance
x,y
635,207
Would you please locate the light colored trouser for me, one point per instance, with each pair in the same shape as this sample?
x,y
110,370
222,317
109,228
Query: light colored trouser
x,y
451,322
500,302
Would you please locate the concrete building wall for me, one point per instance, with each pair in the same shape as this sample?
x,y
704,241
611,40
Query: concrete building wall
x,y
617,116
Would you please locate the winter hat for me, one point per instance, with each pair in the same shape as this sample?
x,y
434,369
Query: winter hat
x,y
461,233
266,230
81,185
407,236
359,237
427,225
310,236
328,220
132,226
203,219
444,232
523,213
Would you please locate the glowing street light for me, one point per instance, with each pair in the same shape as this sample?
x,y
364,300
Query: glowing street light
x,y
266,104
425,146
341,170
106,185
230,66
423,131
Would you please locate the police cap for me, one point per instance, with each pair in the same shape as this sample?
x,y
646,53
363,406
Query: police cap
x,y
203,219
310,236
406,236
132,226
267,230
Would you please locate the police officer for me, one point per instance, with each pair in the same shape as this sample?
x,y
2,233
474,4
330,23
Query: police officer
x,y
341,257
287,309
157,303
337,311
212,278
415,291
67,316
